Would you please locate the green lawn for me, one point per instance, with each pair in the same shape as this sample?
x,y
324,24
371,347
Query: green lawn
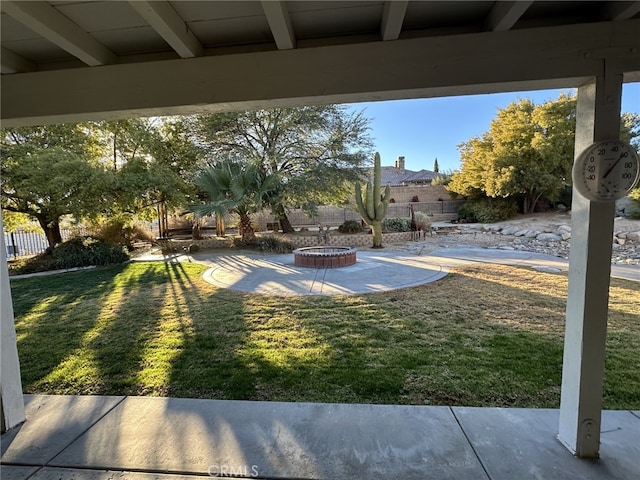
x,y
482,336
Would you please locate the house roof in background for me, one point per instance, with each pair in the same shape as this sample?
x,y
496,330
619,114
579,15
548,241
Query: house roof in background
x,y
400,176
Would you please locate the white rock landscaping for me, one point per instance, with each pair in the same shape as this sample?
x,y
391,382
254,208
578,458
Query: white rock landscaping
x,y
544,233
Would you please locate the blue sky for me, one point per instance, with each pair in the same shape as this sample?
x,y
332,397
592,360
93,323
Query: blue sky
x,y
425,129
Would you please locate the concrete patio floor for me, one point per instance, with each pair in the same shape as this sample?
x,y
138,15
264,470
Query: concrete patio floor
x,y
143,438
375,270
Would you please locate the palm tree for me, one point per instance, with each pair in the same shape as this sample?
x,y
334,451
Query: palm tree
x,y
237,186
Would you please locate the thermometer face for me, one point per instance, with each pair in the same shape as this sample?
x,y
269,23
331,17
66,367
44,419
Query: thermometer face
x,y
606,171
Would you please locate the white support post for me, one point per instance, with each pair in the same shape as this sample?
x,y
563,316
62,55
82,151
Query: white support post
x,y
598,118
11,398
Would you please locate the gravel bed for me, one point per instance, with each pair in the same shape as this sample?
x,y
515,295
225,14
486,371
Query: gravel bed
x,y
626,254
546,238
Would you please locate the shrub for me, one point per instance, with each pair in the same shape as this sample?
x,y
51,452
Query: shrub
x,y
415,198
350,226
396,225
167,246
423,221
465,212
487,210
634,212
40,263
77,252
443,179
274,245
121,230
87,251
566,196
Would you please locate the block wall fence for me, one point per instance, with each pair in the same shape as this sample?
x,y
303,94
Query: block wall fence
x,y
425,193
298,241
432,200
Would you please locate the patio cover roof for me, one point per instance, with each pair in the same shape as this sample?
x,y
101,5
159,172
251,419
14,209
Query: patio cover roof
x,y
77,60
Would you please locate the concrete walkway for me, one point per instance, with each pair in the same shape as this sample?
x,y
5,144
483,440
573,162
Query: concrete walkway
x,y
375,270
144,438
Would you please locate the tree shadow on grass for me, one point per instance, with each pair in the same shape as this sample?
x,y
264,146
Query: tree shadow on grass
x,y
349,349
53,314
212,328
472,339
500,346
85,334
503,344
28,294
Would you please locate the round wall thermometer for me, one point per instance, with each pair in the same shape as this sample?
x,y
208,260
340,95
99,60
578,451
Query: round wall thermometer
x,y
606,171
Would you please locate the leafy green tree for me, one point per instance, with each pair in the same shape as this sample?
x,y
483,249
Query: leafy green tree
x,y
436,167
444,179
12,221
115,170
319,152
153,161
634,195
124,139
150,167
237,186
526,154
630,129
503,161
631,133
49,172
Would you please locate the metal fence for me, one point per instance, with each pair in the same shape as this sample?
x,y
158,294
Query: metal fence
x,y
21,243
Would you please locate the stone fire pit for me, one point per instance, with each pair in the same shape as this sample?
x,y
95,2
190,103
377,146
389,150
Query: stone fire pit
x,y
324,257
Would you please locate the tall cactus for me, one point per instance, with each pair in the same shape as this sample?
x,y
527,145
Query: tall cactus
x,y
373,206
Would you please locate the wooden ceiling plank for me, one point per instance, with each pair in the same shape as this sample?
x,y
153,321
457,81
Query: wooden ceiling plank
x,y
163,18
14,63
45,20
621,10
392,19
280,24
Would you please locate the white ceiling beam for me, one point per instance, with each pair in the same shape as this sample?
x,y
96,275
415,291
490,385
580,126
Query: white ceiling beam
x,y
45,20
163,18
515,60
504,15
621,10
279,23
14,63
392,18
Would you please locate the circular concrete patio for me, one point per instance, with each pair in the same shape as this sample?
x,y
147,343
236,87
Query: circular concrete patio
x,y
374,271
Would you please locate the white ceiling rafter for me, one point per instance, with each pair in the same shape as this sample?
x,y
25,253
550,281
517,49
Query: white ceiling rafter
x,y
392,19
163,18
45,20
621,10
14,63
280,23
504,15
425,67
